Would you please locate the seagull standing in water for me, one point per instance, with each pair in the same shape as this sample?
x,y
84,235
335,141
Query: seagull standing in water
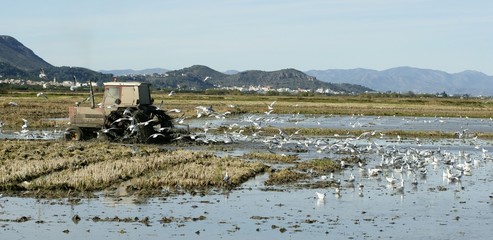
x,y
320,195
226,177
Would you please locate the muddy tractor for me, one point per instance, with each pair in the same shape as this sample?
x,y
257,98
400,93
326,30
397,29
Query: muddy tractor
x,y
126,114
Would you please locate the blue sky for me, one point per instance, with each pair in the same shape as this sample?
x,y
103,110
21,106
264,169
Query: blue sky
x,y
448,35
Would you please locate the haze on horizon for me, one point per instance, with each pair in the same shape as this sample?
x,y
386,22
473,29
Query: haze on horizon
x,y
447,35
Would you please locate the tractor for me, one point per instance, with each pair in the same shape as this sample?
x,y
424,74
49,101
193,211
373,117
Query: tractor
x,y
126,114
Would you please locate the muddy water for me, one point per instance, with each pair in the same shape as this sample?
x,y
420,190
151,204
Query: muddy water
x,y
435,208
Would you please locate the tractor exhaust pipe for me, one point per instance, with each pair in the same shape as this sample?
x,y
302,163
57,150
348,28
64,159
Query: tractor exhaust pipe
x,y
91,95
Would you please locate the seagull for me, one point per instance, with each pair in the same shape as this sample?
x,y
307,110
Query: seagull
x,y
107,130
41,94
391,179
230,105
360,188
181,119
400,189
337,191
204,110
226,177
123,119
148,122
171,93
156,135
13,104
269,112
320,195
174,110
351,178
25,125
161,129
135,150
127,112
484,150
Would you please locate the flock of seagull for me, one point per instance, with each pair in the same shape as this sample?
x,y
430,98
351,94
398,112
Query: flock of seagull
x,y
409,160
400,163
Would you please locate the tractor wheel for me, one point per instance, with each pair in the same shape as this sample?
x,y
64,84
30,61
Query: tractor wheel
x,y
164,119
73,134
144,131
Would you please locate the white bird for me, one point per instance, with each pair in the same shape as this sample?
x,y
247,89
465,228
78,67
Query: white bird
x,y
271,105
135,150
156,135
148,122
171,93
400,189
320,195
351,178
204,110
230,105
131,119
41,94
25,125
391,179
360,190
226,177
13,104
484,151
337,191
174,110
269,112
107,130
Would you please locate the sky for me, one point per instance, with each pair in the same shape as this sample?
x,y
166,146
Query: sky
x,y
446,35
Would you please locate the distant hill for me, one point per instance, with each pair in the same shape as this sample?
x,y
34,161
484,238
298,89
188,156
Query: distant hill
x,y
19,62
231,72
17,55
124,72
405,79
200,77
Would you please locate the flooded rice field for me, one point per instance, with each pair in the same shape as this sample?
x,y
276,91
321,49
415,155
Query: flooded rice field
x,y
399,188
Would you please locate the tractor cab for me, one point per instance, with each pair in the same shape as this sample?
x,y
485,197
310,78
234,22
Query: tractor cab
x,y
126,94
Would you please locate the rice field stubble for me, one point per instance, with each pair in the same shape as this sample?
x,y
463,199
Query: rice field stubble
x,y
45,168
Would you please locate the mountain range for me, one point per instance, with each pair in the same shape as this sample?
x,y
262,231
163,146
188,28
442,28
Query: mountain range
x,y
18,61
405,79
201,77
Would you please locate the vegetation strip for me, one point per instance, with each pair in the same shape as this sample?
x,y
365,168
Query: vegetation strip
x,y
93,166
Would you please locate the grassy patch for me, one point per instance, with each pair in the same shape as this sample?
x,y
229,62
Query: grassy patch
x,y
94,166
271,157
324,165
285,176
